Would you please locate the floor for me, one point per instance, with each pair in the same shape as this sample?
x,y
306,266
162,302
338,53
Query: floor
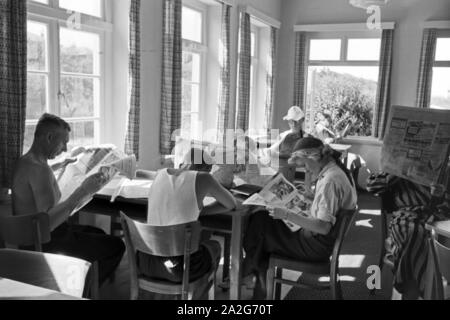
x,y
360,250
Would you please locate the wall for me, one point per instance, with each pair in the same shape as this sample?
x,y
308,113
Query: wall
x,y
408,16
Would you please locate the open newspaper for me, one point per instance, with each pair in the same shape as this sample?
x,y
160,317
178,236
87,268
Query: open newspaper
x,y
280,193
106,159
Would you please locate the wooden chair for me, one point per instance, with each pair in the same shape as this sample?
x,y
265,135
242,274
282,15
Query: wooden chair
x,y
34,231
170,241
441,260
329,268
68,275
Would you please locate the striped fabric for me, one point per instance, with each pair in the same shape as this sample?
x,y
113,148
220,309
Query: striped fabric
x,y
223,121
270,79
426,68
300,74
13,85
171,89
300,69
382,105
134,81
243,112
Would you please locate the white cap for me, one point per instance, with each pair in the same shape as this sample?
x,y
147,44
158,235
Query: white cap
x,y
294,113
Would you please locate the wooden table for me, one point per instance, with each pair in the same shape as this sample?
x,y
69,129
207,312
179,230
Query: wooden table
x,y
13,290
136,209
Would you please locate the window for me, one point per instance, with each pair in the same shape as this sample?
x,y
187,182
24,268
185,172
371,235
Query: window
x,y
342,80
440,90
65,73
194,50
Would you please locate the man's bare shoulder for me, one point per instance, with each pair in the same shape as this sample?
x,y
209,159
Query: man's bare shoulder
x,y
28,168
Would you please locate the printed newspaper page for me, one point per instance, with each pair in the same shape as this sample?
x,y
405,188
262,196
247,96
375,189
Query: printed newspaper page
x,y
105,159
416,144
280,193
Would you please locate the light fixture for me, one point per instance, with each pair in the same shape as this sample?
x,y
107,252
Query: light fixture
x,y
364,4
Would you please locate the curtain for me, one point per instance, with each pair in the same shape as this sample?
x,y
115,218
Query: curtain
x,y
134,81
223,121
382,105
243,113
13,85
270,79
171,90
426,68
300,69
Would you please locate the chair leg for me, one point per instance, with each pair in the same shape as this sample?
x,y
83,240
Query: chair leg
x,y
336,290
383,223
278,275
270,283
226,258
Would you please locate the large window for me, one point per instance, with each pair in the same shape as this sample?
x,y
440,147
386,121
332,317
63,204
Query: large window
x,y
194,50
65,69
342,80
440,90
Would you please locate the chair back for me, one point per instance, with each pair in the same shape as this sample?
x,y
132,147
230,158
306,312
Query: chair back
x,y
27,230
167,241
345,219
441,260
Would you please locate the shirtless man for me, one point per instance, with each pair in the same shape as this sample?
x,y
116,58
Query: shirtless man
x,y
35,189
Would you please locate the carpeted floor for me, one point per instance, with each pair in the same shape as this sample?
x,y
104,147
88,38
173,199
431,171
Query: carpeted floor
x,y
360,250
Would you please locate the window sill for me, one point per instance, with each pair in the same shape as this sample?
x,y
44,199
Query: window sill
x,y
368,141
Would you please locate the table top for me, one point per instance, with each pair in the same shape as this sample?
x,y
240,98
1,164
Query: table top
x,y
14,290
340,147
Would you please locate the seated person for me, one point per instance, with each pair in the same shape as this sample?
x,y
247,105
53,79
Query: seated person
x,y
315,240
36,190
287,140
176,197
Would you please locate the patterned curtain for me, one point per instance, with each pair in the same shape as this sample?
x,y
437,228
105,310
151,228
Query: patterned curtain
x,y
426,68
270,79
171,92
243,113
134,81
382,105
223,121
300,71
13,85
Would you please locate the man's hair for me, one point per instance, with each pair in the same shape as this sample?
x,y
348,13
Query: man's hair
x,y
48,123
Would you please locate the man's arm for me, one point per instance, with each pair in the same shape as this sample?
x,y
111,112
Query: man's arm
x,y
311,224
207,185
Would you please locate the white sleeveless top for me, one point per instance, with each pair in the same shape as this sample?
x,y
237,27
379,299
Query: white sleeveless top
x,y
172,199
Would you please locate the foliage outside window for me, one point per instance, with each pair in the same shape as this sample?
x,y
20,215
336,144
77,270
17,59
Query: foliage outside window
x,y
342,81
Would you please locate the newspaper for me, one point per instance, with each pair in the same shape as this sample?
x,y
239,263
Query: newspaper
x,y
280,193
416,144
106,159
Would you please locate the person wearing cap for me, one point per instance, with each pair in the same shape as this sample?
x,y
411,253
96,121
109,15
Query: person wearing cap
x,y
176,197
271,232
287,140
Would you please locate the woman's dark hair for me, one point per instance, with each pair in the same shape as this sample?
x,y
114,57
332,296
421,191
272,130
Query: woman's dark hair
x,y
311,142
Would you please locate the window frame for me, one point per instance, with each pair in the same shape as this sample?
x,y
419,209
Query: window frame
x,y
443,33
343,61
201,49
56,18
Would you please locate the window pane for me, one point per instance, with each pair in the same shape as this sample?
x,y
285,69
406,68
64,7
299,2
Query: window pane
x,y
440,91
91,7
347,94
443,49
364,49
253,44
36,95
29,136
82,134
325,49
191,97
80,51
192,25
37,46
191,67
80,96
